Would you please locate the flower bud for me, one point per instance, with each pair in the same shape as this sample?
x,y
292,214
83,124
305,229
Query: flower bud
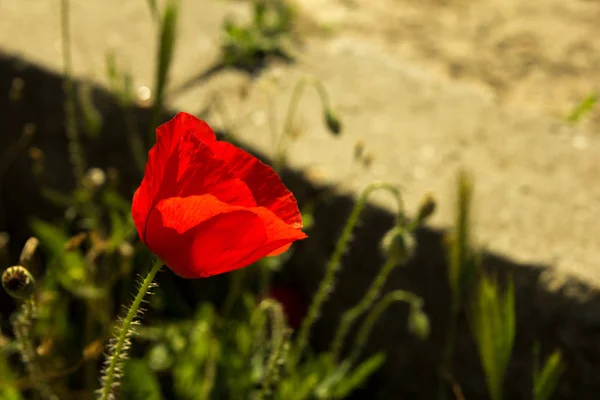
x,y
333,122
95,178
15,93
426,209
359,149
18,282
418,323
398,245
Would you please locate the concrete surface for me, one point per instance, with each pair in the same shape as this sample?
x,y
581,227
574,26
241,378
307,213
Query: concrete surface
x,y
425,87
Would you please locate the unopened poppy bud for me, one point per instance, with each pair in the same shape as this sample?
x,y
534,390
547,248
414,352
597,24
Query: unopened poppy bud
x,y
426,209
18,282
398,245
16,90
418,323
333,122
359,149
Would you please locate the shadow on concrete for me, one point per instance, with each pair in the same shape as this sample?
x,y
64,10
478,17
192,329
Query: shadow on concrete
x,y
553,318
254,70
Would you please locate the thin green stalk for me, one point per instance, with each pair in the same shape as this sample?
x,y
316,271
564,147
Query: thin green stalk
x,y
448,351
277,342
363,333
22,330
355,312
75,151
164,57
89,371
226,120
462,269
116,355
236,281
135,140
288,124
334,264
210,373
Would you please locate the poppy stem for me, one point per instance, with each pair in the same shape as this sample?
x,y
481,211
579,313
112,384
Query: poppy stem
x,y
333,266
121,340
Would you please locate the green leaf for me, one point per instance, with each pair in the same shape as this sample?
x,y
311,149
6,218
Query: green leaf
x,y
545,382
360,374
68,266
583,108
493,326
139,381
112,72
112,199
92,119
120,229
463,262
160,357
57,198
9,393
195,368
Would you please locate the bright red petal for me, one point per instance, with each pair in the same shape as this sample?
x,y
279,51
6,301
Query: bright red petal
x,y
279,251
182,169
169,133
265,184
199,236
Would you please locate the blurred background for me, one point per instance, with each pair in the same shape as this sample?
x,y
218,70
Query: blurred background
x,y
335,94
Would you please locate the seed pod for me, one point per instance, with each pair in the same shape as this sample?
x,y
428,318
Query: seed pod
x,y
398,244
426,209
418,323
18,282
333,122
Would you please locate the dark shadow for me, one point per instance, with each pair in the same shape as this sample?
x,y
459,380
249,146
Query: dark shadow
x,y
254,67
553,318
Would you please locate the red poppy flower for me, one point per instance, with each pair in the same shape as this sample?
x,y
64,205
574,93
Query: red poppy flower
x,y
206,207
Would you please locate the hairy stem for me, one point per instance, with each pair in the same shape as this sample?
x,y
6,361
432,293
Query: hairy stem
x,y
288,125
334,263
116,356
22,329
363,333
355,312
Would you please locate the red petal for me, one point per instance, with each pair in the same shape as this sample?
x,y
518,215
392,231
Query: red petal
x,y
266,186
185,168
279,251
171,131
199,236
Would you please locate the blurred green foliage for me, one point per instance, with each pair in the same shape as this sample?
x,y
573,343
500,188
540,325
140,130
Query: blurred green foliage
x,y
247,47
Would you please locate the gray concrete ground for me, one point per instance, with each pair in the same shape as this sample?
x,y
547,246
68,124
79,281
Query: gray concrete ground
x,y
427,88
